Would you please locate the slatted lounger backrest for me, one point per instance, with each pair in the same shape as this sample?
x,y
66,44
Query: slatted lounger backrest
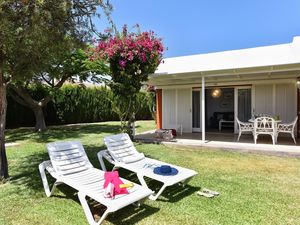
x,y
68,157
122,149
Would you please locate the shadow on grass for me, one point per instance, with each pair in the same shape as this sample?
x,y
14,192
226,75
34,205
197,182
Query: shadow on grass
x,y
132,215
59,133
129,215
26,173
171,194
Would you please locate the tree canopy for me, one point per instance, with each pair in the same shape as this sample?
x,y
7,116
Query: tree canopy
x,y
32,34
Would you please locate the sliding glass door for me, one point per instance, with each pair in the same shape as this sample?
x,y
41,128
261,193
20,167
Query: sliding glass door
x,y
243,106
196,110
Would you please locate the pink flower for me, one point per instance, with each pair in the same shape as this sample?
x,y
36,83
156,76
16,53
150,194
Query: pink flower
x,y
128,51
122,63
143,57
130,56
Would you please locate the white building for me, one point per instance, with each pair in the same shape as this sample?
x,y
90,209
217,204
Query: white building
x,y
197,91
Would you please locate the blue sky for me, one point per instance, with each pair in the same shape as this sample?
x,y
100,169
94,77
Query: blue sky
x,y
202,26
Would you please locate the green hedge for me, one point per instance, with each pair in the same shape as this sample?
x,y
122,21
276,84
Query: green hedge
x,y
74,104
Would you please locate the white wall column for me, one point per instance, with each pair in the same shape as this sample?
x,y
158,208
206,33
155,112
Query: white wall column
x,y
203,109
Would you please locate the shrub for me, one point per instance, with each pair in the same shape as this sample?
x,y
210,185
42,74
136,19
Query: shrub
x,y
75,104
131,57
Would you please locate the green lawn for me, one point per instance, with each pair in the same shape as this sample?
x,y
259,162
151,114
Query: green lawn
x,y
255,189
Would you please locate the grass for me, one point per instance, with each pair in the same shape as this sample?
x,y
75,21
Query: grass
x,y
255,189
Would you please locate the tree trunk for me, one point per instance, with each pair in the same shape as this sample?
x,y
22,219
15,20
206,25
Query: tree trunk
x,y
40,124
131,126
21,95
3,107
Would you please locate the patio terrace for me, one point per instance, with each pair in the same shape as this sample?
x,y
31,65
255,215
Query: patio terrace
x,y
228,141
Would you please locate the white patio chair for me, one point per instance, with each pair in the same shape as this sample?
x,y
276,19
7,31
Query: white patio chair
x,y
122,154
264,125
244,127
288,128
69,164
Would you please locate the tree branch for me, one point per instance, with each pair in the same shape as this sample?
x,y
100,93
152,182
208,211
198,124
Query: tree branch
x,y
25,96
61,82
17,99
46,80
45,101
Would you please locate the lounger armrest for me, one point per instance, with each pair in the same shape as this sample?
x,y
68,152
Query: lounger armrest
x,y
47,166
104,154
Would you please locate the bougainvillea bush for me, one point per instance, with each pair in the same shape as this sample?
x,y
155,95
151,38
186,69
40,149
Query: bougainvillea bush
x,y
131,56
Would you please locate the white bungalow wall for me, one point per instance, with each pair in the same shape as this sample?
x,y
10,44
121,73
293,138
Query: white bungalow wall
x,y
169,107
263,99
274,99
286,102
184,109
177,108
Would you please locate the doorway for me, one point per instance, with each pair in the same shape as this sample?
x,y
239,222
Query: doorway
x,y
243,105
196,110
222,106
219,109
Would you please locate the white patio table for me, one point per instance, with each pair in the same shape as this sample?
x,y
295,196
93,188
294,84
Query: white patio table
x,y
276,121
275,127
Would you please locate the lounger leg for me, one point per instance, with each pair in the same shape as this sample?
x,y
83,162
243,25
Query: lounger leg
x,y
293,136
142,180
185,182
42,169
154,197
143,183
140,202
100,158
115,168
87,211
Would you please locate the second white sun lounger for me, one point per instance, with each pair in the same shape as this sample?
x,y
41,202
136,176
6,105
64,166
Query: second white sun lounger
x,y
69,164
122,154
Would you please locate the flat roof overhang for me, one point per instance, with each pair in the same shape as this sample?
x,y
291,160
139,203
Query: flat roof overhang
x,y
285,71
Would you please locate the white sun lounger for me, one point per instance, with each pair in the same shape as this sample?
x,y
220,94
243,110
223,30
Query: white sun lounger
x,y
70,165
122,154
